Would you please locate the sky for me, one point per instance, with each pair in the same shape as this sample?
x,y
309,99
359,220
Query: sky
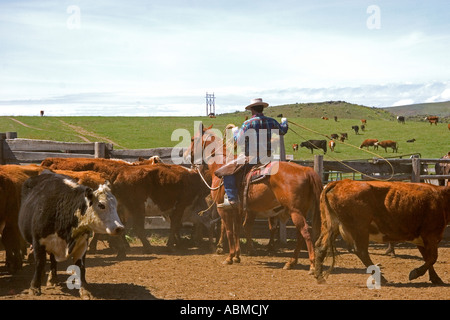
x,y
161,57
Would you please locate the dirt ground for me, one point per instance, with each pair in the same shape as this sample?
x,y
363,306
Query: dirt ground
x,y
193,273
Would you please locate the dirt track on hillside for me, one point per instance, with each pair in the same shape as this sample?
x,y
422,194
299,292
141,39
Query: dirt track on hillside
x,y
194,274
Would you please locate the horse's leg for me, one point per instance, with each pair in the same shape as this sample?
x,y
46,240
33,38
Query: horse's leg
x,y
228,222
221,241
237,221
273,223
302,226
248,228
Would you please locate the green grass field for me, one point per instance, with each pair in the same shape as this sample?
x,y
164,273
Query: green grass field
x,y
152,132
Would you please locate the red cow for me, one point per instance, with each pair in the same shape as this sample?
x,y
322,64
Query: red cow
x,y
363,211
368,143
387,144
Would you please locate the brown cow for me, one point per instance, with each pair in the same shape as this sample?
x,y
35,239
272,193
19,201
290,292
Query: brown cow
x,y
12,178
363,121
387,144
332,144
295,147
368,143
432,119
363,211
159,189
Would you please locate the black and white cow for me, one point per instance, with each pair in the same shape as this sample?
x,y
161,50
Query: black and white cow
x,y
57,216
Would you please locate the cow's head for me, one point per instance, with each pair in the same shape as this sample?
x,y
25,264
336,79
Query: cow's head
x,y
101,214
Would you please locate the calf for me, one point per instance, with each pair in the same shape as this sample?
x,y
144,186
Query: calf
x,y
332,144
363,211
387,144
295,147
356,129
57,215
432,119
315,144
368,143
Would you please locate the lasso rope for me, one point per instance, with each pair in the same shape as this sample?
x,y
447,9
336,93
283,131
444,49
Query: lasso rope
x,y
348,144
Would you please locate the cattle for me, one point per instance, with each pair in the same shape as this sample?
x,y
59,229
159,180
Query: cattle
x,y
368,143
295,147
432,120
324,118
12,178
387,144
332,144
363,211
160,189
344,136
442,169
401,119
410,140
363,121
334,136
315,144
356,129
335,118
448,125
57,215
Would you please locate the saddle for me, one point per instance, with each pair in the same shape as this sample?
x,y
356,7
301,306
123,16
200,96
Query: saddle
x,y
246,174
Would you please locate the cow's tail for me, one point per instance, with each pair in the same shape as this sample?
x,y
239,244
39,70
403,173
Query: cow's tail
x,y
329,231
314,212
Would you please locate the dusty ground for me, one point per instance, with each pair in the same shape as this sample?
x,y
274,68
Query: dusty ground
x,y
195,274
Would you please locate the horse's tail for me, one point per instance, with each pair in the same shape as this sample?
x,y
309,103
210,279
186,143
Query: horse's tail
x,y
329,231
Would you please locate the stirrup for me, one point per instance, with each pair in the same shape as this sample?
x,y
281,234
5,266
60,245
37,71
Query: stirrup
x,y
226,204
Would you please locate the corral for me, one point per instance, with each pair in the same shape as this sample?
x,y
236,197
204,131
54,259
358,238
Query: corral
x,y
194,273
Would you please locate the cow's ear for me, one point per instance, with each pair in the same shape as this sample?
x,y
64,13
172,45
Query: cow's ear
x,y
89,194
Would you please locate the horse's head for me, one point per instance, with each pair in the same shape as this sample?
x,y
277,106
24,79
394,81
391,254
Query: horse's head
x,y
207,145
197,144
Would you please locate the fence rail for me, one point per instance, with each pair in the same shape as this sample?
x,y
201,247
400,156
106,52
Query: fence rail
x,y
15,151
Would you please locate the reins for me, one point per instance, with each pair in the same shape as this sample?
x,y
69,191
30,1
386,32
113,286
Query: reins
x,y
348,144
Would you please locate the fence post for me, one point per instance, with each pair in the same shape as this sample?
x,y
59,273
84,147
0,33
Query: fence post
x,y
11,135
282,149
318,165
415,174
2,142
99,150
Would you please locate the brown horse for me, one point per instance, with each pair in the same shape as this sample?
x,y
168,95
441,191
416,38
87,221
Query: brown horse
x,y
296,188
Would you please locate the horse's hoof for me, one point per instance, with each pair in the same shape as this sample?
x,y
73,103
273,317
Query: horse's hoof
x,y
227,262
236,259
321,280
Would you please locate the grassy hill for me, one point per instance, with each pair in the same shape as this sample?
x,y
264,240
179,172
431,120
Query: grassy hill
x,y
330,109
153,132
420,110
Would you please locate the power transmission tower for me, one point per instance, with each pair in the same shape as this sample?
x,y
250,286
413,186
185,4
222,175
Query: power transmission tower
x,y
210,104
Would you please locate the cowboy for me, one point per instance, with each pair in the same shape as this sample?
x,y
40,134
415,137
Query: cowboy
x,y
258,124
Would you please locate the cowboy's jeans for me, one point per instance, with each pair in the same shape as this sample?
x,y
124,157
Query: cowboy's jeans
x,y
229,183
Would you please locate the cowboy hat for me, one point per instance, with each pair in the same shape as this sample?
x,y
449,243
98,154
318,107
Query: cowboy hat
x,y
256,102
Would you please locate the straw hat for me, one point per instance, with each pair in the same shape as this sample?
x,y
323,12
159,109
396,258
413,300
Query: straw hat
x,y
256,102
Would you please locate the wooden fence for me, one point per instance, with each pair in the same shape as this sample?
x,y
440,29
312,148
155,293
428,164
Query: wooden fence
x,y
22,151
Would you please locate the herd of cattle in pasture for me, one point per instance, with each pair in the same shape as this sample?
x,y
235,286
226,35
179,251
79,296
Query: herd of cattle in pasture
x,y
322,144
56,206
